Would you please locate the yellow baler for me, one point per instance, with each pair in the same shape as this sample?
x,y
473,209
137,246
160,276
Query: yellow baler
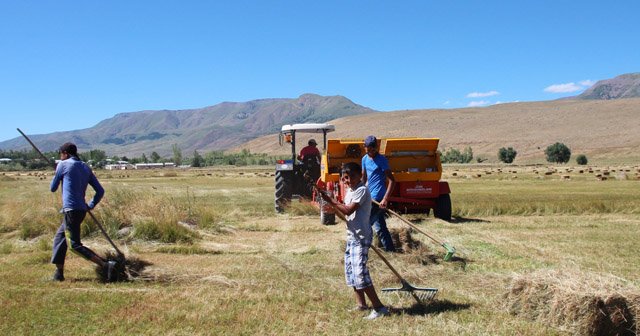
x,y
415,165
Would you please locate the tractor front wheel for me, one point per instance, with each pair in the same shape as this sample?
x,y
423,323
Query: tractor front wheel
x,y
443,207
283,191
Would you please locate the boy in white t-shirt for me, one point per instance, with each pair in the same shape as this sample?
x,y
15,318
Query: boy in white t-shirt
x,y
357,208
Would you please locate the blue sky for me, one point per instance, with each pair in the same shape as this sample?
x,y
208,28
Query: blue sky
x,y
67,65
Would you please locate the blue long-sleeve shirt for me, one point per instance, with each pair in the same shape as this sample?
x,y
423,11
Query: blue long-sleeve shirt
x,y
75,175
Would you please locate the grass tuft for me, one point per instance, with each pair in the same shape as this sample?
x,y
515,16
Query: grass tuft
x,y
302,208
6,248
185,249
164,232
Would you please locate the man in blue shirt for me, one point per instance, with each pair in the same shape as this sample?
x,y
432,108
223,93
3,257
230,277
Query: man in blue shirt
x,y
75,176
376,172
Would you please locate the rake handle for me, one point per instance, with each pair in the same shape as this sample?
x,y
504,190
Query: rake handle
x,y
34,146
120,254
377,251
439,241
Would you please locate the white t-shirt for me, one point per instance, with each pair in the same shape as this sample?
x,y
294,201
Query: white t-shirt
x,y
358,226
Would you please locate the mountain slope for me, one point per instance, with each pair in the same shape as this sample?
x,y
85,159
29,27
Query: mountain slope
x,y
211,128
606,129
623,86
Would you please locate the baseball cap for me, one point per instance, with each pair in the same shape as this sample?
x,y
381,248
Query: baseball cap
x,y
371,141
312,142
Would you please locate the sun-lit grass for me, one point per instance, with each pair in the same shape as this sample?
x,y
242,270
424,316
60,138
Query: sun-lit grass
x,y
252,271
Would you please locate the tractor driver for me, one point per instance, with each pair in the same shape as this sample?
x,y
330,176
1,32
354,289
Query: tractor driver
x,y
310,157
309,152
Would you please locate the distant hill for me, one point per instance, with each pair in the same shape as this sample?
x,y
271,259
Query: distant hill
x,y
215,127
608,130
623,86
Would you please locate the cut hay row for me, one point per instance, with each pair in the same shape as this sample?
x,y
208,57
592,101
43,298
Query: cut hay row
x,y
576,302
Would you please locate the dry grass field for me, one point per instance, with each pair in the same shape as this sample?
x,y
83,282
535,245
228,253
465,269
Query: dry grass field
x,y
537,248
606,131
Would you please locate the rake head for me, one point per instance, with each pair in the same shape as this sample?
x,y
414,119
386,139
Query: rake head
x,y
450,251
126,269
420,294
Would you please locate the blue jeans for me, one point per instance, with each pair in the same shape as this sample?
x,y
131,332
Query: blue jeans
x,y
379,225
68,235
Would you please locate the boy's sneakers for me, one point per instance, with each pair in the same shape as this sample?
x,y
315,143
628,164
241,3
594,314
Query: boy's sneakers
x,y
58,276
111,271
377,312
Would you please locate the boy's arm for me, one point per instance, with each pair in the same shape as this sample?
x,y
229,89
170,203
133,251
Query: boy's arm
x,y
392,183
57,178
93,181
346,209
364,171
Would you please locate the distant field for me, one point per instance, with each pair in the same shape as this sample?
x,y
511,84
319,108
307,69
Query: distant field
x,y
245,270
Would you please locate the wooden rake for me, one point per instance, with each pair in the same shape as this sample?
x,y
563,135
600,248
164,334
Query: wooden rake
x,y
420,294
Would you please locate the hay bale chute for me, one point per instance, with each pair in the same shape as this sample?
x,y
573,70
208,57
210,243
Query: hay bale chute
x,y
577,302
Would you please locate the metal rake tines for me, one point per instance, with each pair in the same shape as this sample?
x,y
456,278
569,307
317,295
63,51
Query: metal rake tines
x,y
420,294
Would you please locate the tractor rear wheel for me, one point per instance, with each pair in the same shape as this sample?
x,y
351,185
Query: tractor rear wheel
x,y
443,207
326,218
283,191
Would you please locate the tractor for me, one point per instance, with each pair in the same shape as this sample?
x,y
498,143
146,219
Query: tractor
x,y
415,165
294,178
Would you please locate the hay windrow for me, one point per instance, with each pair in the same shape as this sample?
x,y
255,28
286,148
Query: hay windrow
x,y
577,302
414,251
128,268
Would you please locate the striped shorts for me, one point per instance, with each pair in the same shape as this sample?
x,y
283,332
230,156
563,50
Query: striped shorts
x,y
356,271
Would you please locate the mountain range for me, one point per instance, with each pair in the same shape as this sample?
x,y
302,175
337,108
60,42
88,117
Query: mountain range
x,y
603,121
205,129
623,86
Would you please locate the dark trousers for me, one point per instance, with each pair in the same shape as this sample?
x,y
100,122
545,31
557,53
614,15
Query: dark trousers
x,y
379,225
68,234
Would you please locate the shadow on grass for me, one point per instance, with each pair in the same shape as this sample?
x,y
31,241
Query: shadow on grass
x,y
461,220
460,262
433,307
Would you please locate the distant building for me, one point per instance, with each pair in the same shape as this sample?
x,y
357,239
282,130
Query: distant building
x,y
154,165
5,160
119,165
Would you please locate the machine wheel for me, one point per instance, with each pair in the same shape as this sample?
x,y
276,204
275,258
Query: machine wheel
x,y
326,218
283,191
443,207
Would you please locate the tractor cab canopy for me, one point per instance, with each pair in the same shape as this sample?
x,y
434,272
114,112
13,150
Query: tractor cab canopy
x,y
288,133
308,128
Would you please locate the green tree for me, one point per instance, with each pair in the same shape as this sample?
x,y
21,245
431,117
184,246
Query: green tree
x,y
197,160
507,155
558,153
581,159
155,157
144,158
177,154
467,155
453,155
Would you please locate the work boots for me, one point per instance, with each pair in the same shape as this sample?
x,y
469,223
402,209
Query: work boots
x,y
58,275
